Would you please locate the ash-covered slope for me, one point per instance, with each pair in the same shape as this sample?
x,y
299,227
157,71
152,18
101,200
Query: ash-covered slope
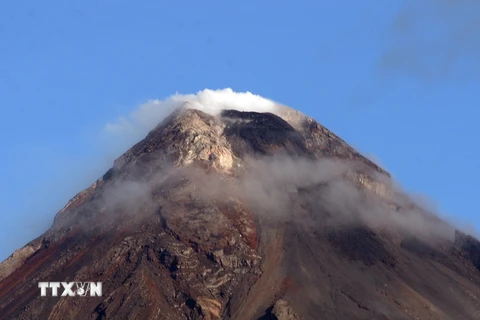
x,y
245,216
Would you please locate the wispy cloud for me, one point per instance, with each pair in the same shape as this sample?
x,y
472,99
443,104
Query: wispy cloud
x,y
281,187
432,39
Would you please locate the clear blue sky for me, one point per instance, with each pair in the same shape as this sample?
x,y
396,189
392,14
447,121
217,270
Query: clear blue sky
x,y
397,79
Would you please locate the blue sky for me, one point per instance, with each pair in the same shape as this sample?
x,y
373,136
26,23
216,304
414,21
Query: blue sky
x,y
396,79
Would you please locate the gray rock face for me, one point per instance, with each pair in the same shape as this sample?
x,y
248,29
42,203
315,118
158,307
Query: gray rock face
x,y
17,259
245,216
283,311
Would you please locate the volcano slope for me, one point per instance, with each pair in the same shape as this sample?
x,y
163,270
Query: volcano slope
x,y
245,216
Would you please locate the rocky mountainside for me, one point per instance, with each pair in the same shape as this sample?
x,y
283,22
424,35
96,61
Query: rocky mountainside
x,y
246,216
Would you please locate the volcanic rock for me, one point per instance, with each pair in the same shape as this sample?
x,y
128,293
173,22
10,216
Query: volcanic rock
x,y
245,215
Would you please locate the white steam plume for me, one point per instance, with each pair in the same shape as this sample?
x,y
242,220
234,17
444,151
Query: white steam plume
x,y
147,116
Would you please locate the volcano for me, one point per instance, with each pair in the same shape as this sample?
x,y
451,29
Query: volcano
x,y
245,215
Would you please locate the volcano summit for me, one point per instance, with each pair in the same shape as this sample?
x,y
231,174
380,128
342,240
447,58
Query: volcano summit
x,y
234,207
